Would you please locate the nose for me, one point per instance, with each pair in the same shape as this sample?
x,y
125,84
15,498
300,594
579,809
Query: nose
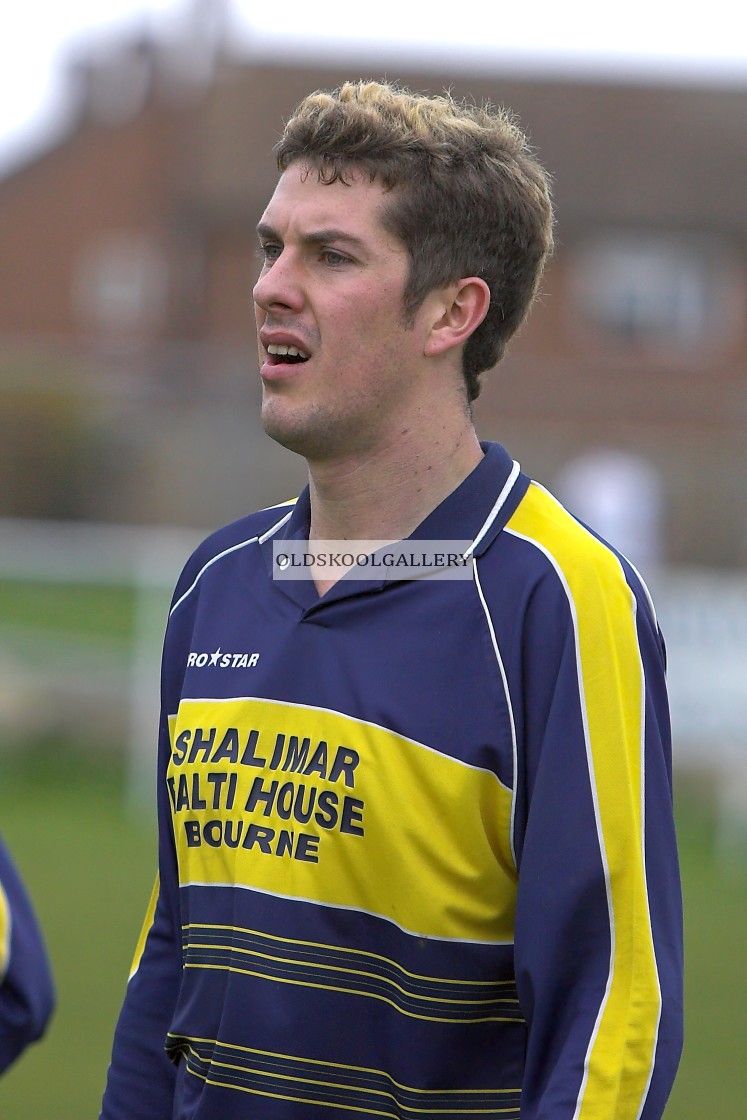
x,y
279,285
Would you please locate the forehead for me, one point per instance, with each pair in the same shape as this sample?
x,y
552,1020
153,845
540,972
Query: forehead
x,y
302,203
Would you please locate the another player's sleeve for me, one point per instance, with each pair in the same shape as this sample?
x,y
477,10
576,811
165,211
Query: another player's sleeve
x,y
598,924
26,988
141,1077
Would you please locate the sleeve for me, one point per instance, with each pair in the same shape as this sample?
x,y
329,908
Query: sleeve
x,y
141,1077
598,925
26,988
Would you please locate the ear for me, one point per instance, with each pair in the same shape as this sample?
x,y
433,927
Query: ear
x,y
458,311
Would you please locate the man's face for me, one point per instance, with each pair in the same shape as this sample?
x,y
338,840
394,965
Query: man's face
x,y
338,364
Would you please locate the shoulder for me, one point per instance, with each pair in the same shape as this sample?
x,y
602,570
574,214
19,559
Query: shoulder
x,y
245,530
228,540
548,553
544,527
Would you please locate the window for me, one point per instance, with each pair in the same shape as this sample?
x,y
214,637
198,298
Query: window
x,y
119,284
663,293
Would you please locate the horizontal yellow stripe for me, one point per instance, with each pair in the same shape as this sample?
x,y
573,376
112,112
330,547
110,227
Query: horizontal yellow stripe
x,y
276,1055
430,1111
328,968
308,948
354,1085
397,830
317,986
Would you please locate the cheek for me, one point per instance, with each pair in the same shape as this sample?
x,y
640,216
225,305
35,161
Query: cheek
x,y
371,322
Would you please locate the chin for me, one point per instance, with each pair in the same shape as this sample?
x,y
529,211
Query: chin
x,y
292,432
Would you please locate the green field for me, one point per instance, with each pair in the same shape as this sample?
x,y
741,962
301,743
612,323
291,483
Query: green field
x,y
90,868
78,609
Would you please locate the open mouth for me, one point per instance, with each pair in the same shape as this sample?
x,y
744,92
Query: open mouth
x,y
287,355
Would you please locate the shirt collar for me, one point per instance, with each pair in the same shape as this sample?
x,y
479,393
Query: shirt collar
x,y
476,511
480,506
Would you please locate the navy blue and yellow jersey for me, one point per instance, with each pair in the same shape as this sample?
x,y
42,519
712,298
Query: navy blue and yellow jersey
x,y
26,988
417,855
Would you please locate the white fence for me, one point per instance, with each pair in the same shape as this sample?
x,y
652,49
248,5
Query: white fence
x,y
704,618
52,680
703,615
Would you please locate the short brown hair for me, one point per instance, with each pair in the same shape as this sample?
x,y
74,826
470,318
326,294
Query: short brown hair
x,y
469,198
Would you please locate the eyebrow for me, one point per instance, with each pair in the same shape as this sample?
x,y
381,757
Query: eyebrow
x,y
317,236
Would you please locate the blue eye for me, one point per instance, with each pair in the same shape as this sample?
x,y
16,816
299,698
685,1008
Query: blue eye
x,y
331,256
270,251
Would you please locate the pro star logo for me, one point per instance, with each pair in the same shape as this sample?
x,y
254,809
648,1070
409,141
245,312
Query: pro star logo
x,y
220,660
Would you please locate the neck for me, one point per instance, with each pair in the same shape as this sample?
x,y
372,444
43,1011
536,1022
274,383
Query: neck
x,y
386,492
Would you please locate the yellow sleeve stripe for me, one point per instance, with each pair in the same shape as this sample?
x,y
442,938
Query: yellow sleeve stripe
x,y
5,928
147,923
620,1055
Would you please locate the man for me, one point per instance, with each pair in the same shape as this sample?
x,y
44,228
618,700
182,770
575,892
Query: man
x,y
26,989
417,855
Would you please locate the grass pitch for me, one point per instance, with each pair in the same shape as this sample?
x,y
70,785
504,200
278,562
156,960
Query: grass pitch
x,y
90,868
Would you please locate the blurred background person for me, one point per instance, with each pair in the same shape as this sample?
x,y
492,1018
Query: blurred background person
x,y
622,497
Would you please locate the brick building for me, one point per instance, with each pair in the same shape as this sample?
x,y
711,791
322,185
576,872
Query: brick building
x,y
127,353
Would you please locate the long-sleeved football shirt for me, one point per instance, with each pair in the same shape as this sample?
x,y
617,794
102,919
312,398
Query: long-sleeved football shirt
x,y
417,855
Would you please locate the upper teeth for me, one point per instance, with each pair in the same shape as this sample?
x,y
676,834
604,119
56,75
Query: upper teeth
x,y
282,351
